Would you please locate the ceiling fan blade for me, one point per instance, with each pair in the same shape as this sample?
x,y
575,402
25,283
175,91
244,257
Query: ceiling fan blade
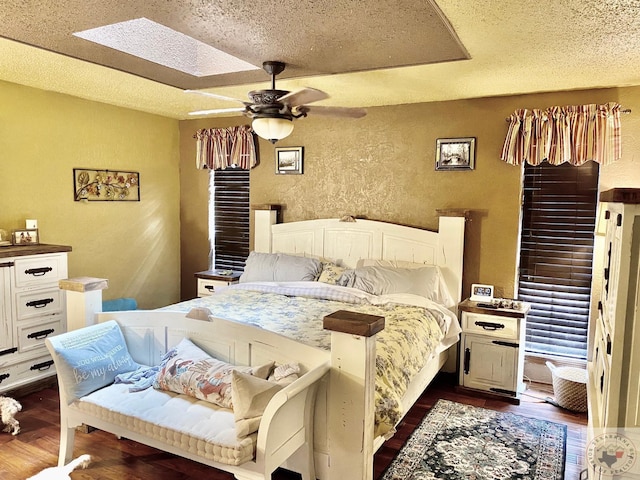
x,y
347,112
214,95
218,110
303,96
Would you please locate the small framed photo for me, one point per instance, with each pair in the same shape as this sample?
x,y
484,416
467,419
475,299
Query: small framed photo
x,y
28,236
289,160
455,153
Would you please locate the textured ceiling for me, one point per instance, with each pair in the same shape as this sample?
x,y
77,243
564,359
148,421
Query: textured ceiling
x,y
363,53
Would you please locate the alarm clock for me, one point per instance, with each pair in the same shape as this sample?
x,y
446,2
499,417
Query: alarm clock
x,y
481,293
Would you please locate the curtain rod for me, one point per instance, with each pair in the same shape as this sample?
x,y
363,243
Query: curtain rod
x,y
624,110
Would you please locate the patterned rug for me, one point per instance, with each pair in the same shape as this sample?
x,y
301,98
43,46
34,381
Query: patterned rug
x,y
456,441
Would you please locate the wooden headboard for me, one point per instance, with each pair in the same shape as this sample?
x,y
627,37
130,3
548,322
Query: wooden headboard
x,y
350,241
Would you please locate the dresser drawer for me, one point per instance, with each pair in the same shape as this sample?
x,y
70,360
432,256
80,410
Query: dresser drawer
x,y
493,325
40,270
26,371
30,304
31,337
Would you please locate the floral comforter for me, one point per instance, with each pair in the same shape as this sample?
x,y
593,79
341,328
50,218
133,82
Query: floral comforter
x,y
415,328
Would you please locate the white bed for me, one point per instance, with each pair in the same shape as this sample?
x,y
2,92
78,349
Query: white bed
x,y
344,441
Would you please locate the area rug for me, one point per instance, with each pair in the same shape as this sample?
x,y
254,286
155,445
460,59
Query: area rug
x,y
456,441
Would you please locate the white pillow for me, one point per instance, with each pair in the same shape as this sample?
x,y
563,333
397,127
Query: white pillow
x,y
279,267
250,395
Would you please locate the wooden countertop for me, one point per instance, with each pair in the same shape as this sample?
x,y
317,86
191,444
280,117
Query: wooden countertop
x,y
23,250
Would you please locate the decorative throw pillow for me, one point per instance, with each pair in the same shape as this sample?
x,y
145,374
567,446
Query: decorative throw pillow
x,y
188,369
89,358
250,398
330,273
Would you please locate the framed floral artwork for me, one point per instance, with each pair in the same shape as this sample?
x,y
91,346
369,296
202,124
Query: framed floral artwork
x,y
105,185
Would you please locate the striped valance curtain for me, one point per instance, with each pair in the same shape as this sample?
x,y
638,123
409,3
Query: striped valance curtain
x,y
574,134
219,148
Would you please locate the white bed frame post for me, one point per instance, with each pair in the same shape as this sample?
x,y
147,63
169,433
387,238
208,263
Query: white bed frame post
x,y
263,217
350,412
451,253
84,300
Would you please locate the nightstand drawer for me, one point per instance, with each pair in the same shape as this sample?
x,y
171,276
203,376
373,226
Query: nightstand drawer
x,y
208,287
492,325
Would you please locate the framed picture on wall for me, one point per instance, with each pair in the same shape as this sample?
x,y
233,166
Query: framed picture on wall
x,y
455,153
288,160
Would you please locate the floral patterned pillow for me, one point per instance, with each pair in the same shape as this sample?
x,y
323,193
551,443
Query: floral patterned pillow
x,y
189,370
330,273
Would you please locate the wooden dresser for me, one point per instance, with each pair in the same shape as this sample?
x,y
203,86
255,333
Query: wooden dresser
x,y
32,307
614,368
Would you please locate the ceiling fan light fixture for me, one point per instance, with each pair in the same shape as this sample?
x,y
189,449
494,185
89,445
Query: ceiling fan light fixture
x,y
272,128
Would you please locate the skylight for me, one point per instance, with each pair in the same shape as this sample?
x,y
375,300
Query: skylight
x,y
156,43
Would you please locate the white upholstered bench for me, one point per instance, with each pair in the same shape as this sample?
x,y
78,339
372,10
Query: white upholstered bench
x,y
88,359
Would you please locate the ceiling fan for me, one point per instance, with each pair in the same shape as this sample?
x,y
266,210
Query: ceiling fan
x,y
273,111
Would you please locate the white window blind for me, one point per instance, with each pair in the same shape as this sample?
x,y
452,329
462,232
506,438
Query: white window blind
x,y
556,252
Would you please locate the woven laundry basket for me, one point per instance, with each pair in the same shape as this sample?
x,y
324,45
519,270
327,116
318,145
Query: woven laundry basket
x,y
569,387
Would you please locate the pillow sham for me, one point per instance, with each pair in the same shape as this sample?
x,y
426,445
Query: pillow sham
x,y
279,267
330,273
426,281
250,397
188,369
90,358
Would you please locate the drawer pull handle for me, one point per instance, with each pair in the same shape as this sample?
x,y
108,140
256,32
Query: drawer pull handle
x,y
210,287
9,350
42,366
38,272
490,325
602,383
4,376
467,360
41,334
608,344
506,344
39,303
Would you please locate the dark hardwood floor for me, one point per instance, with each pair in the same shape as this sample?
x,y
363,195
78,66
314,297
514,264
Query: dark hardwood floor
x,y
36,447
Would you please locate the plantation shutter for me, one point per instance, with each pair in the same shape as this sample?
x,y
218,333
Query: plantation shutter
x,y
231,212
556,252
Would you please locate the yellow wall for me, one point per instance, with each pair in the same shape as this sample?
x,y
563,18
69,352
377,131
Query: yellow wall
x,y
382,167
135,245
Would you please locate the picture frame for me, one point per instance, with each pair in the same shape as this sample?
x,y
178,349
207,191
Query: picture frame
x,y
455,153
289,160
101,185
27,236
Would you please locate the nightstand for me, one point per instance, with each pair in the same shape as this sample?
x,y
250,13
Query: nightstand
x,y
210,279
492,347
